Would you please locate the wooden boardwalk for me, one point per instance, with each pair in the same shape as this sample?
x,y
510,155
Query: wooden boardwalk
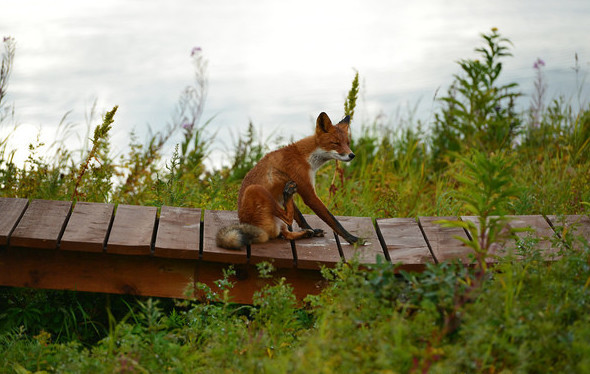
x,y
148,251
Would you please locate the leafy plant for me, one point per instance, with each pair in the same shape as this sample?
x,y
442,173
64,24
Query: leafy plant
x,y
248,151
349,106
170,190
478,113
98,153
350,103
487,190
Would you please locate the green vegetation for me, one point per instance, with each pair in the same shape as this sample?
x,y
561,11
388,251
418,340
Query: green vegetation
x,y
480,156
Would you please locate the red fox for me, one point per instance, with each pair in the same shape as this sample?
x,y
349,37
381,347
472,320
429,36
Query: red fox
x,y
265,200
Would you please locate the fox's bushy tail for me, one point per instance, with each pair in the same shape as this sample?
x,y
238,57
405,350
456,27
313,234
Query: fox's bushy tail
x,y
239,235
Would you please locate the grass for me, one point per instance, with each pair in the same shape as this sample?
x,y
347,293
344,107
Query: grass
x,y
478,156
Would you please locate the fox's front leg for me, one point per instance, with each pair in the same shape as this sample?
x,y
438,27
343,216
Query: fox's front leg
x,y
314,202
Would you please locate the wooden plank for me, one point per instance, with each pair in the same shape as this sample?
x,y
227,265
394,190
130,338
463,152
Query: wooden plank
x,y
213,220
312,253
11,211
541,233
501,247
363,228
405,243
96,272
88,227
442,241
139,275
276,251
179,233
577,225
132,230
542,229
41,224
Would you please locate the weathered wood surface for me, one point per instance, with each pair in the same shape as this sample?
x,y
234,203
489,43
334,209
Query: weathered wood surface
x,y
363,228
88,227
95,272
404,242
11,211
178,234
213,221
41,225
539,233
442,241
571,227
132,230
313,253
98,248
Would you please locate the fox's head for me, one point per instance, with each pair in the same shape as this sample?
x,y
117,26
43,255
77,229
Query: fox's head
x,y
333,140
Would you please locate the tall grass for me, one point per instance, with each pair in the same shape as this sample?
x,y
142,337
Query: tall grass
x,y
479,156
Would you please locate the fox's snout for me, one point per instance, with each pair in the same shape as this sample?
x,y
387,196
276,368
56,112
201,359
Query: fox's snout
x,y
345,157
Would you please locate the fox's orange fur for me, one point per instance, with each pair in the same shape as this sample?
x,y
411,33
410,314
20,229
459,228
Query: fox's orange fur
x,y
265,201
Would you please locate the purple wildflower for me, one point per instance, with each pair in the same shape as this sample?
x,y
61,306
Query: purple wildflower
x,y
195,50
538,64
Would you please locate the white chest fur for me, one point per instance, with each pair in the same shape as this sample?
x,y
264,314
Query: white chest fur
x,y
316,159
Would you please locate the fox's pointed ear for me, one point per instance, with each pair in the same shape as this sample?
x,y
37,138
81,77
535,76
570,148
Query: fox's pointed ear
x,y
344,124
323,122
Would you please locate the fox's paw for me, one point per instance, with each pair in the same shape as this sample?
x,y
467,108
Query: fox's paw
x,y
318,233
354,240
359,242
309,233
290,189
